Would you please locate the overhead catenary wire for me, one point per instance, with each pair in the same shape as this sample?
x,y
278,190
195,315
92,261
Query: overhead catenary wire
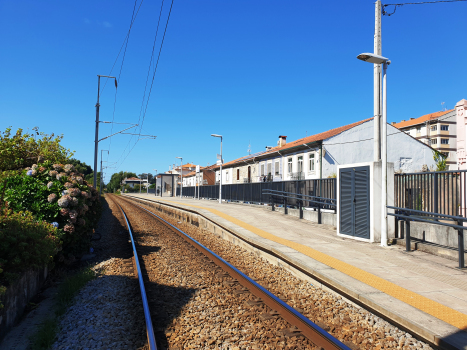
x,y
153,76
145,87
120,72
123,44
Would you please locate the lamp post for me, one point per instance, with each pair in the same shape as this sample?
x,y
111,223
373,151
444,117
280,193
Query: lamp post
x,y
96,140
220,172
181,176
155,187
376,59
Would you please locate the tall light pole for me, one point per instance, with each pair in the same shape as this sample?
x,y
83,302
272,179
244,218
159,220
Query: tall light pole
x,y
181,176
101,180
155,187
376,59
220,173
96,140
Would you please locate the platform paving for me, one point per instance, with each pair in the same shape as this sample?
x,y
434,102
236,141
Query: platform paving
x,y
424,293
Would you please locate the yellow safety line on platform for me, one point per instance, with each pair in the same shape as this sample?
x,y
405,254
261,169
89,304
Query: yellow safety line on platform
x,y
444,313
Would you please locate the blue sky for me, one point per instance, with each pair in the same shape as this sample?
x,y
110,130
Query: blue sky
x,y
249,70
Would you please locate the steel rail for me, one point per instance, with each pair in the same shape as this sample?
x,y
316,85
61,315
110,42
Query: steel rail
x,y
147,314
314,333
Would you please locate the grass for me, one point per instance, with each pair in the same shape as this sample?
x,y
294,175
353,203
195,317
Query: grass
x,y
45,336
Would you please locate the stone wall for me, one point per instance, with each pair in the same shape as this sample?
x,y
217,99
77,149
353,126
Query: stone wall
x,y
18,296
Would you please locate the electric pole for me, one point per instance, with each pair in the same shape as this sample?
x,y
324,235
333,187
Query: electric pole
x,y
377,84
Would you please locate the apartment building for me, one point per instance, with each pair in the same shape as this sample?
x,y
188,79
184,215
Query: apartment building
x,y
438,130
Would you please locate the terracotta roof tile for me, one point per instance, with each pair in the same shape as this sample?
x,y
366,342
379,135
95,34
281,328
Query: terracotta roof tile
x,y
422,119
318,137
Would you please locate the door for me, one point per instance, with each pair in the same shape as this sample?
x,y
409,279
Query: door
x,y
249,174
354,202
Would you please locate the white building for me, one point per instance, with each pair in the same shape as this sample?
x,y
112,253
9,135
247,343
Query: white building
x,y
439,130
318,156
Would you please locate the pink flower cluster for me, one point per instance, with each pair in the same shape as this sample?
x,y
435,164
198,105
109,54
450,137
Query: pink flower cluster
x,y
70,228
52,198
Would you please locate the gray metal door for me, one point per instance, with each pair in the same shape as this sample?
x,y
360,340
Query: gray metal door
x,y
354,201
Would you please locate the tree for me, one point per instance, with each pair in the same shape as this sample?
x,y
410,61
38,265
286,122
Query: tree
x,y
116,180
81,167
22,150
440,160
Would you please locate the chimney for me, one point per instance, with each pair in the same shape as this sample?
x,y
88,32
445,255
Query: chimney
x,y
412,118
282,140
392,123
403,120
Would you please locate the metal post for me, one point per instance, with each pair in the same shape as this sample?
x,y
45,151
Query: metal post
x,y
407,235
220,182
435,194
285,205
377,84
300,208
101,181
272,201
96,139
460,244
319,213
384,170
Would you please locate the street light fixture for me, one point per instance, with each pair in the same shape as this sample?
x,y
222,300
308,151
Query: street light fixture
x,y
376,59
220,172
181,176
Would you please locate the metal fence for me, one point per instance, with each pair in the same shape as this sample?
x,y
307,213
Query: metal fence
x,y
442,192
253,192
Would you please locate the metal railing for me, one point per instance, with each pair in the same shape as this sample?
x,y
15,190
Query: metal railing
x,y
407,215
441,192
313,201
253,192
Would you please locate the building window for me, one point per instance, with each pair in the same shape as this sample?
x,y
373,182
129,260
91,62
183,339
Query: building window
x,y
238,174
289,165
434,141
419,129
434,127
300,164
445,127
312,162
262,169
445,141
269,169
276,167
226,176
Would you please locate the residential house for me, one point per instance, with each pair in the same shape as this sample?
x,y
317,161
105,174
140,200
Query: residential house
x,y
439,130
318,156
132,181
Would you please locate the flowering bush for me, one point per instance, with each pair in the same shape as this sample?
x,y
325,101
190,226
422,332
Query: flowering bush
x,y
63,198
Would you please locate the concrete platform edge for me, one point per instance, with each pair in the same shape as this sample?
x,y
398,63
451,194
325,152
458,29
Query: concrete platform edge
x,y
441,334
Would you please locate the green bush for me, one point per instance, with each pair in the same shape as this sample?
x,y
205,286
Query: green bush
x,y
56,193
21,150
25,243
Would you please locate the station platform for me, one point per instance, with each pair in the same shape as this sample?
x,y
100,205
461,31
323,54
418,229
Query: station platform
x,y
423,293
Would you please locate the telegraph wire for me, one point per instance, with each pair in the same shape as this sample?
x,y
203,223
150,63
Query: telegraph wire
x,y
385,13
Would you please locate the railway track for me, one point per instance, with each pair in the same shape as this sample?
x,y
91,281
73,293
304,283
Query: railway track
x,y
195,299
